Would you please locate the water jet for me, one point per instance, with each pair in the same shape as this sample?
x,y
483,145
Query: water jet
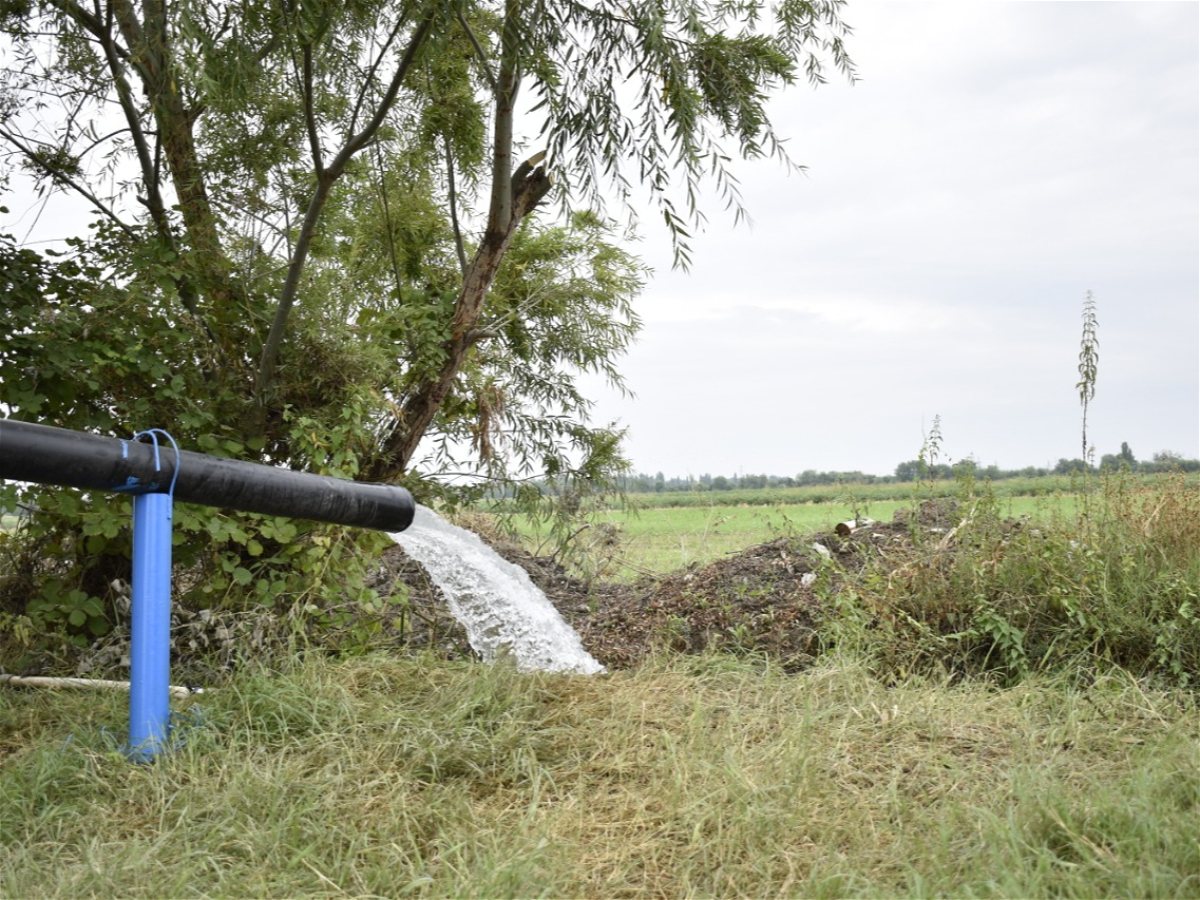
x,y
502,610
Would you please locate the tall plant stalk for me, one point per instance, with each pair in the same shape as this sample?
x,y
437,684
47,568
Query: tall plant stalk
x,y
1089,360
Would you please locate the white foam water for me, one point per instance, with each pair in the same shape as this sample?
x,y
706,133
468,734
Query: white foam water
x,y
502,610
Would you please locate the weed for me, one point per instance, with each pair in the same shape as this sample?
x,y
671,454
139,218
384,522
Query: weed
x,y
1121,585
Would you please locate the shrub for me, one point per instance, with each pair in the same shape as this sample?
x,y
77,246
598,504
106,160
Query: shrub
x,y
1118,583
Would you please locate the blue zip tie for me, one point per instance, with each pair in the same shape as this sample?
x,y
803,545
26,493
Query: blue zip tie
x,y
153,433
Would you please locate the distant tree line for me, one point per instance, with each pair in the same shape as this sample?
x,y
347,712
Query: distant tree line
x,y
907,471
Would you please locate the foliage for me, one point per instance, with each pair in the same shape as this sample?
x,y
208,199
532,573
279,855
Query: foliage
x,y
317,152
1119,584
112,365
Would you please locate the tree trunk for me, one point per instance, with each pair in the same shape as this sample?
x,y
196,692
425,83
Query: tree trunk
x,y
513,196
151,55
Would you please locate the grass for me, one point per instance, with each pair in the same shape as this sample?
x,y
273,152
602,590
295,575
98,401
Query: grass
x,y
1119,579
1040,486
702,776
663,532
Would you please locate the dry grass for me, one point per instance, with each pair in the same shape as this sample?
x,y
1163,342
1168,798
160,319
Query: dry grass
x,y
699,776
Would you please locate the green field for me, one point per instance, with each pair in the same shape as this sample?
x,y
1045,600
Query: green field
x,y
848,492
655,540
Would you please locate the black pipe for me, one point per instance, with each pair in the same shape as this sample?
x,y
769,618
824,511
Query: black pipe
x,y
48,455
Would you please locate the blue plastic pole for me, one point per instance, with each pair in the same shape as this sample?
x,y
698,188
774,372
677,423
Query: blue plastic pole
x,y
150,653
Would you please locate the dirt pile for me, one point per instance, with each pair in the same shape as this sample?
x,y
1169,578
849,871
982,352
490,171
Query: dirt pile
x,y
766,599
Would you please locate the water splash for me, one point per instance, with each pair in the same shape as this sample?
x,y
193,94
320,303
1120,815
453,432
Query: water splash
x,y
502,610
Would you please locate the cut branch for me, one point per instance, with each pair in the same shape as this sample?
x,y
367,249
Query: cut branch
x,y
418,411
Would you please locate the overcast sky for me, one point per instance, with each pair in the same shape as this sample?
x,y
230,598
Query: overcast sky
x,y
995,162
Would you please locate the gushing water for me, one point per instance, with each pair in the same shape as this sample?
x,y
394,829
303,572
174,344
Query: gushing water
x,y
500,607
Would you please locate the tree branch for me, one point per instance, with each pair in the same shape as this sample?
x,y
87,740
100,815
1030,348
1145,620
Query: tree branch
x,y
453,203
507,85
101,29
115,57
419,410
358,141
88,20
264,382
65,179
125,97
387,218
479,52
310,115
375,64
149,52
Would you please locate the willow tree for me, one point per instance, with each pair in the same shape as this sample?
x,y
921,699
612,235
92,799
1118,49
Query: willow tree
x,y
369,236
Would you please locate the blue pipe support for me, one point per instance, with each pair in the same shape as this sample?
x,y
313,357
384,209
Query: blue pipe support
x,y
150,650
